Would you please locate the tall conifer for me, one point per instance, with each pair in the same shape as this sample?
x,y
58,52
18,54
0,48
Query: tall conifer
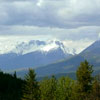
x,y
31,88
84,79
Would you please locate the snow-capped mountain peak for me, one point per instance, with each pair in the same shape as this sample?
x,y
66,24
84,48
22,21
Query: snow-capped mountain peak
x,y
49,47
42,46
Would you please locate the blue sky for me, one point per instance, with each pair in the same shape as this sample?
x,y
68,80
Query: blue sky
x,y
73,20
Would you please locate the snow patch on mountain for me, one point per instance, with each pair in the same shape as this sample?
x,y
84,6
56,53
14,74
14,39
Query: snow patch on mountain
x,y
49,47
42,46
26,44
28,47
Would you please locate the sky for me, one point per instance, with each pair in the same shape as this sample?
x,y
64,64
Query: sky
x,y
75,22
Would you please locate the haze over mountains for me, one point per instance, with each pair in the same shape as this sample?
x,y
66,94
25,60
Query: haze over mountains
x,y
34,53
48,57
91,53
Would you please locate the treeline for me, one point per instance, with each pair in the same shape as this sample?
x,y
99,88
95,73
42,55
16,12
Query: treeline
x,y
86,87
10,87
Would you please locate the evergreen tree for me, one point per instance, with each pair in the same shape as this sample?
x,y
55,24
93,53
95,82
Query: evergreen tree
x,y
15,76
84,80
74,95
48,89
95,95
64,88
31,88
10,87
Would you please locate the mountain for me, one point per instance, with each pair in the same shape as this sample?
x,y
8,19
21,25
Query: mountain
x,y
43,46
35,53
91,53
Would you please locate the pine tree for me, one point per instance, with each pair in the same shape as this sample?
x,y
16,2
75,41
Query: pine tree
x,y
48,89
64,88
95,95
84,79
31,88
15,75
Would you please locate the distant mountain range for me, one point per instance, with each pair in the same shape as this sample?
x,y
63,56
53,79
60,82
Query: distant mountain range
x,y
34,54
92,54
49,58
42,46
69,66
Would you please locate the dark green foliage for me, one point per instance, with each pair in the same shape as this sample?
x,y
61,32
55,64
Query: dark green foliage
x,y
95,95
86,87
15,76
64,88
10,87
96,90
48,88
31,88
84,80
56,89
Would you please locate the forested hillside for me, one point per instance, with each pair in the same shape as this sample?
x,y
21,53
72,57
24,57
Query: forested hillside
x,y
10,87
85,87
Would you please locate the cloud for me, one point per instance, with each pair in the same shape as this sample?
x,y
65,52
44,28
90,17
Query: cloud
x,y
8,43
63,19
90,32
50,13
78,45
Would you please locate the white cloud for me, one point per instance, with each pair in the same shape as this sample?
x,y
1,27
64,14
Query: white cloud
x,y
89,32
51,13
8,43
72,20
40,3
78,45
